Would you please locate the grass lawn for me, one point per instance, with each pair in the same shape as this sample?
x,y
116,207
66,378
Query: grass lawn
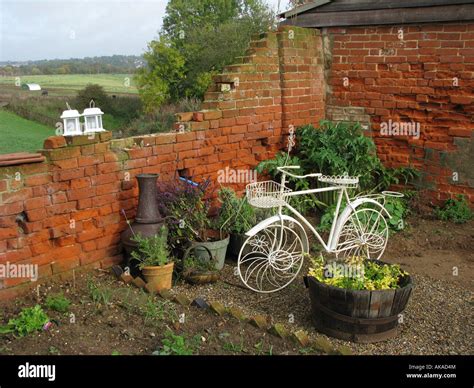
x,y
112,83
20,135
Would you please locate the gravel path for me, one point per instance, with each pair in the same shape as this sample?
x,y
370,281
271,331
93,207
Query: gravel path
x,y
438,318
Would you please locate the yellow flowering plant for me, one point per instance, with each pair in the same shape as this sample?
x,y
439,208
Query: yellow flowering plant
x,y
356,273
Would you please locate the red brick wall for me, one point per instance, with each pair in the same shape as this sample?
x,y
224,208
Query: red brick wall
x,y
65,214
422,73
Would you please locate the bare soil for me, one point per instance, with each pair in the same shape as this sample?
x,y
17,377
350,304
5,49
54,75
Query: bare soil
x,y
437,249
121,326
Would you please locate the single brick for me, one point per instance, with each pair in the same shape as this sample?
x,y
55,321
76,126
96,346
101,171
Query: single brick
x,y
182,299
300,337
139,282
54,142
279,330
166,294
218,308
237,313
344,350
259,321
323,345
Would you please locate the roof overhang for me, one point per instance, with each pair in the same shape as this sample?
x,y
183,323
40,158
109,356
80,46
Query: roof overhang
x,y
327,13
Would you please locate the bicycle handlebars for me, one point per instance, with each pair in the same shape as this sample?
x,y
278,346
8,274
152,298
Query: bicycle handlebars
x,y
282,170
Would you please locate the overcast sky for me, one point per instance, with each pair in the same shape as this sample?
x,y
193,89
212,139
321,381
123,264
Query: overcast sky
x,y
48,29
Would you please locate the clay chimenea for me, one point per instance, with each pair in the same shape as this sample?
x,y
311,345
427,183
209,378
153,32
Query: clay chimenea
x,y
148,220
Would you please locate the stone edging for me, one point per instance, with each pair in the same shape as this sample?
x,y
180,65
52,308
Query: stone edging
x,y
300,337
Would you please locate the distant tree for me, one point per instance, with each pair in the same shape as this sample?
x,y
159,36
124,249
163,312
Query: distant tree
x,y
159,81
92,92
206,35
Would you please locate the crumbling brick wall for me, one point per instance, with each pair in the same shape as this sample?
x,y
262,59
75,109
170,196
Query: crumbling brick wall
x,y
66,214
421,74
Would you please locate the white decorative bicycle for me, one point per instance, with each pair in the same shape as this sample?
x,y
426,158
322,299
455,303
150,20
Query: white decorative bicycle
x,y
272,255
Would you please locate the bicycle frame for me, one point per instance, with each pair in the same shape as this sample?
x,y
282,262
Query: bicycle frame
x,y
332,234
274,251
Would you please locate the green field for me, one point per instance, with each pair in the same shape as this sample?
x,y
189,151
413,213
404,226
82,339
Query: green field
x,y
112,83
20,135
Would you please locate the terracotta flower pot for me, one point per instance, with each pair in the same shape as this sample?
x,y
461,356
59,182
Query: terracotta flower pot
x,y
159,277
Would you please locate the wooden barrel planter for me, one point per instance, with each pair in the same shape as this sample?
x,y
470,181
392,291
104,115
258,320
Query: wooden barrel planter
x,y
357,315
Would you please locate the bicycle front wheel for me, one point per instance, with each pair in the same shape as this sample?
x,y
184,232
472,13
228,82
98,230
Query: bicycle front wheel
x,y
272,258
363,233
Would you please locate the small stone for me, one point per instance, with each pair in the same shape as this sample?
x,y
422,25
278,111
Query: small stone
x,y
259,321
182,299
126,278
166,294
344,350
139,282
237,313
200,303
218,308
323,345
279,330
301,337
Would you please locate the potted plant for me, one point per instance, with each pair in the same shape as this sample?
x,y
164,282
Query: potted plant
x,y
236,217
187,213
154,259
197,270
357,299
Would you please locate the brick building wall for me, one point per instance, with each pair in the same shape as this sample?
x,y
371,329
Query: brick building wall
x,y
421,74
65,214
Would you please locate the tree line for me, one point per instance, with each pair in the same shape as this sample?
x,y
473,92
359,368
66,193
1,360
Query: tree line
x,y
90,65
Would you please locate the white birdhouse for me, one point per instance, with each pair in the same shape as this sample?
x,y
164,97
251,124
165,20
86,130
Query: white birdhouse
x,y
72,125
93,119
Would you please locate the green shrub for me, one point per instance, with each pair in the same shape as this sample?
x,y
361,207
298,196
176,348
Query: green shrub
x,y
44,111
99,294
161,119
177,345
342,149
456,210
236,215
398,210
152,251
29,320
302,203
127,108
58,302
396,207
92,92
